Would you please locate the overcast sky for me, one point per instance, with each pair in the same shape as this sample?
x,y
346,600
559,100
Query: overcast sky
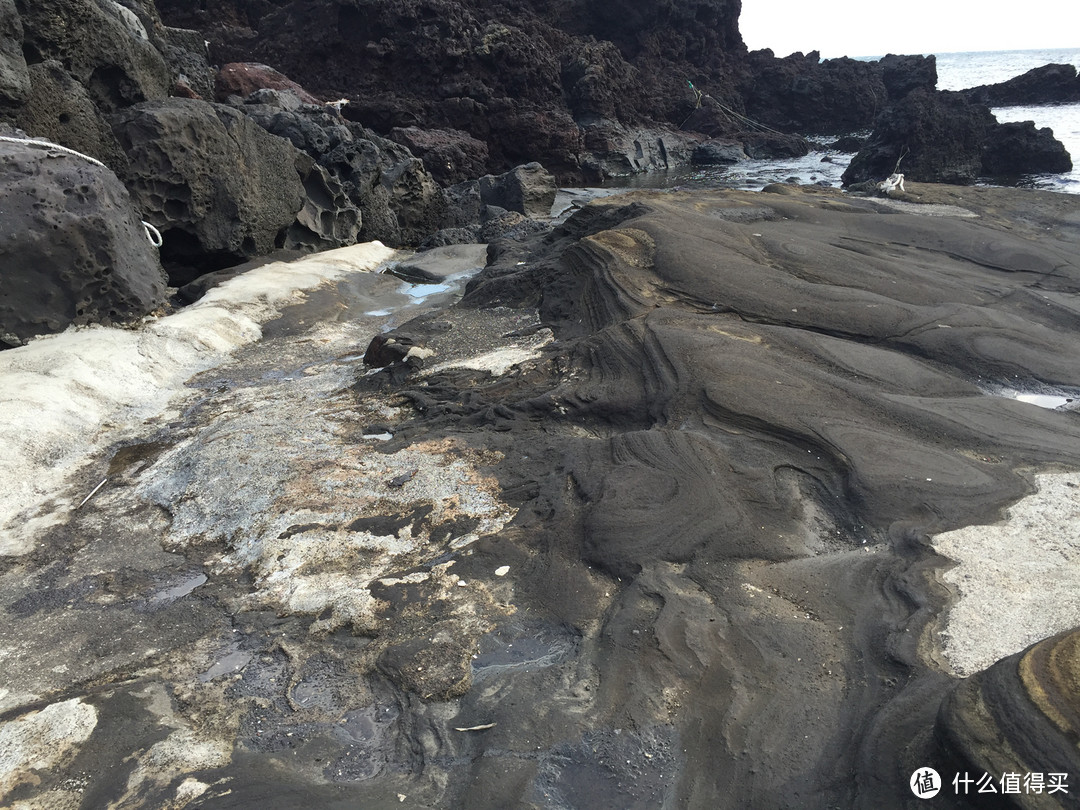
x,y
861,28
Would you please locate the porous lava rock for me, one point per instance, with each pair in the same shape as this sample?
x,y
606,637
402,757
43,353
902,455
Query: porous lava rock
x,y
14,79
929,136
450,155
102,44
801,93
60,109
219,187
244,78
72,249
528,189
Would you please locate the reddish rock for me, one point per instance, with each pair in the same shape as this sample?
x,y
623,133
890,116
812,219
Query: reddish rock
x,y
244,78
450,155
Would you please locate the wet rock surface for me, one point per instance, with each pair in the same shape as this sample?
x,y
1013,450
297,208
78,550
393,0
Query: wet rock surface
x,y
653,524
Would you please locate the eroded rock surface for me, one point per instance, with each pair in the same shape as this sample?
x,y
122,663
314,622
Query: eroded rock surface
x,y
72,247
650,527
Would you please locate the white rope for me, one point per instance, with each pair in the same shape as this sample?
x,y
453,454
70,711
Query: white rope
x,y
51,145
152,233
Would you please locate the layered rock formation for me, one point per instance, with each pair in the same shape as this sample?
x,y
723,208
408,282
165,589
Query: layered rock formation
x,y
648,526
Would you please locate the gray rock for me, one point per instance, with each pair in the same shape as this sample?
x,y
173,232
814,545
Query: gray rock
x,y
438,264
415,198
220,188
527,189
72,248
328,219
100,46
617,150
59,109
718,153
14,79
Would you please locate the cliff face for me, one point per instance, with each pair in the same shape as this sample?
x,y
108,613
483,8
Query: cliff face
x,y
518,74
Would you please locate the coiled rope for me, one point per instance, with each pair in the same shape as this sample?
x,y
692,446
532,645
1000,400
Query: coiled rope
x,y
152,233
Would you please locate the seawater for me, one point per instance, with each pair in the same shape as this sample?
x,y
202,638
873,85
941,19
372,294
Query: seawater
x,y
956,71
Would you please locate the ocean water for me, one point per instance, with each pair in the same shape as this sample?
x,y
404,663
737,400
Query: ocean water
x,y
956,71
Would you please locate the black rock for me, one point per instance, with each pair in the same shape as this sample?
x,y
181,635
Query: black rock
x,y
1049,84
1018,148
72,248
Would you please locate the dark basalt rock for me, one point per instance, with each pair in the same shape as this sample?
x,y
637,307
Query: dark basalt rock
x,y
718,153
220,188
941,137
103,45
902,74
14,79
527,189
1049,84
931,136
1018,148
804,94
244,78
60,109
72,248
450,155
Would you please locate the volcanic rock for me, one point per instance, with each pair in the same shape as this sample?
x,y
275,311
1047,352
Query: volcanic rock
x,y
244,78
220,188
450,155
1017,148
804,94
718,153
527,189
939,136
73,249
14,79
929,136
58,108
1049,84
102,44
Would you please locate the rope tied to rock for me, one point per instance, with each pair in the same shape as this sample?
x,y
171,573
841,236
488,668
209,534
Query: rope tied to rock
x,y
152,233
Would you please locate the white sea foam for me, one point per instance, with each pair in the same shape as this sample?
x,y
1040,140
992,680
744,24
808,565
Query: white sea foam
x,y
64,395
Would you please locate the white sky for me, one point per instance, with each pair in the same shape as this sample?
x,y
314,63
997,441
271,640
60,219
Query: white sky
x,y
861,28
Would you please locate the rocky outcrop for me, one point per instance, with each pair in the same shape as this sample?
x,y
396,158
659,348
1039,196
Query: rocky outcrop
x,y
72,248
450,155
244,78
528,189
941,137
1021,716
102,44
1049,84
220,188
801,93
1018,148
14,79
520,78
59,109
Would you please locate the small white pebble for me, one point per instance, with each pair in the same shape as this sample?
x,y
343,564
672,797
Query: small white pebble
x,y
462,583
502,570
